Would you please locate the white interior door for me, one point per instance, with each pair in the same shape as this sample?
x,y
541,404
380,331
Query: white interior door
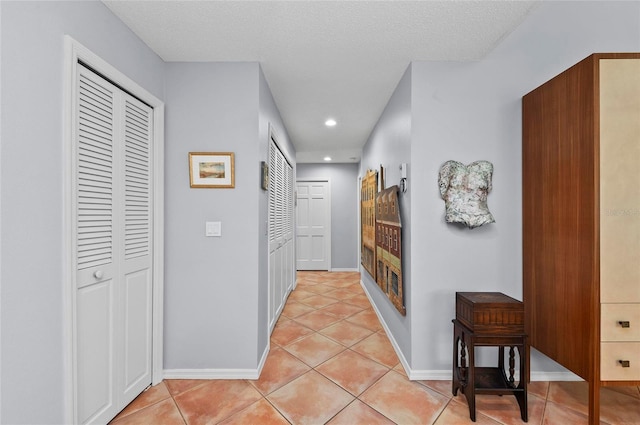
x,y
113,248
313,225
281,261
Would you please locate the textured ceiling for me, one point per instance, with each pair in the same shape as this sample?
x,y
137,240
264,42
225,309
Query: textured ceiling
x,y
339,59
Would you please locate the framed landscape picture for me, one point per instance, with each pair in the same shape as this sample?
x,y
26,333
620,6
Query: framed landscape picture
x,y
211,170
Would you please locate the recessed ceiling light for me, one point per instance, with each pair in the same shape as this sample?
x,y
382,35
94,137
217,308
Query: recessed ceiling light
x,y
327,158
330,122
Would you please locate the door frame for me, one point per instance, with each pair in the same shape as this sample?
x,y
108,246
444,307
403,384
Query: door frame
x,y
75,53
328,205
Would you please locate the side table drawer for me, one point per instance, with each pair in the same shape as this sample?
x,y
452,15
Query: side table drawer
x,y
612,353
620,322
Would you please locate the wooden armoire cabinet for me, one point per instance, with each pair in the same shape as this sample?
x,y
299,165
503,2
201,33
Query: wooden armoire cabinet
x,y
581,220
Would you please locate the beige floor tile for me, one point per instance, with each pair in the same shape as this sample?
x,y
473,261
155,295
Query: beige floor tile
x,y
632,391
443,387
177,386
310,399
619,408
346,333
359,413
403,401
316,320
294,309
538,388
555,414
367,319
377,347
150,396
216,401
352,371
505,409
259,413
300,294
289,331
458,414
280,368
320,289
341,310
571,395
318,301
360,300
314,349
162,413
340,294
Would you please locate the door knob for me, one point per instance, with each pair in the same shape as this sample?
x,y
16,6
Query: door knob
x,y
98,274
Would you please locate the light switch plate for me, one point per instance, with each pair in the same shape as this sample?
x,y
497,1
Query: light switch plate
x,y
213,228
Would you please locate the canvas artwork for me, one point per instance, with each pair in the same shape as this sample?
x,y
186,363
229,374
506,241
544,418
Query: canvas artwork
x,y
389,246
368,221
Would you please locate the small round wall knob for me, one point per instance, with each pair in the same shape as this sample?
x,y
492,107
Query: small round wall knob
x,y
98,274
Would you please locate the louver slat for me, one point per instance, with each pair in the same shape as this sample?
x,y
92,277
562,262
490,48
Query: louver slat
x,y
272,191
137,219
94,178
280,196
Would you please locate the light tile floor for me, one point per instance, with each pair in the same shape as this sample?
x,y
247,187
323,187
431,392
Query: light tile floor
x,y
332,363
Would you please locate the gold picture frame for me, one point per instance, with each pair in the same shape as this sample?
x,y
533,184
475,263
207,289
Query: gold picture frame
x,y
211,170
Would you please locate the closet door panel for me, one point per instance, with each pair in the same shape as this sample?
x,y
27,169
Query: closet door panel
x,y
96,249
113,227
95,332
135,249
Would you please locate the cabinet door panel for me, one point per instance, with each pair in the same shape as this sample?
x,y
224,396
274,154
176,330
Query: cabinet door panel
x,y
620,322
611,356
619,180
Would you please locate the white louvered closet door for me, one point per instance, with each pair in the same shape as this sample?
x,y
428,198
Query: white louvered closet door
x,y
281,261
113,248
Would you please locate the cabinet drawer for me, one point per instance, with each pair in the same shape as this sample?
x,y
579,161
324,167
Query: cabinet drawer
x,y
611,353
611,328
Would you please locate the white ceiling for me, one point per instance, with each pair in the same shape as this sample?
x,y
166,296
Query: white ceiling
x,y
339,59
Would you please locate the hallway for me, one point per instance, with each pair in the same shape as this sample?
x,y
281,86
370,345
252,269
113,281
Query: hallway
x,y
332,363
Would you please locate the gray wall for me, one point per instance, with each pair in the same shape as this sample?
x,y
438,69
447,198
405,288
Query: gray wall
x,y
472,111
211,284
345,226
216,288
31,188
390,145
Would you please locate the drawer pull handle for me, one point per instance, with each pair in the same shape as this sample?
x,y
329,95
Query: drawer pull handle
x,y
625,363
624,323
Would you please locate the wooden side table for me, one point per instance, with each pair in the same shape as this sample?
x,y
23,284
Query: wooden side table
x,y
496,320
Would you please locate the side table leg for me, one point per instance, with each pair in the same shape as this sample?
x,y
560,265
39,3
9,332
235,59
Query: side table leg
x,y
512,365
522,396
470,389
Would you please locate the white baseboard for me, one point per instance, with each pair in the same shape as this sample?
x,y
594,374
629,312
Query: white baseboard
x,y
429,375
211,374
554,376
218,373
394,343
345,270
263,359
